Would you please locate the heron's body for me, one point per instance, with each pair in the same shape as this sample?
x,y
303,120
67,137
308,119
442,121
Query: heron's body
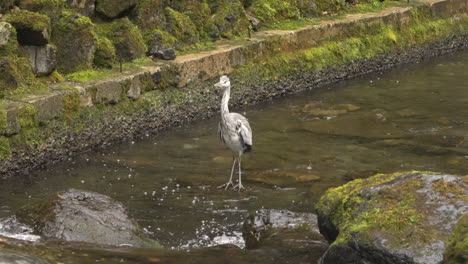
x,y
234,131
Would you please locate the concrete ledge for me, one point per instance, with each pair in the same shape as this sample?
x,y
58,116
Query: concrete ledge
x,y
48,106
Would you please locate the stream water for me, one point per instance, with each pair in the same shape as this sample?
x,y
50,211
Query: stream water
x,y
411,118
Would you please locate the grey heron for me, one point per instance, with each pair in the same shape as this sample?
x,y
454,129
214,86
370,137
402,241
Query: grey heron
x,y
234,131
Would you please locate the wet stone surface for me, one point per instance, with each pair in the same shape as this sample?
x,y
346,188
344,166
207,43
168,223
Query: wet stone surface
x,y
168,181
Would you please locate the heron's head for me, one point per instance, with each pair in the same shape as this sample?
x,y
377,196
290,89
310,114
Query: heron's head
x,y
223,82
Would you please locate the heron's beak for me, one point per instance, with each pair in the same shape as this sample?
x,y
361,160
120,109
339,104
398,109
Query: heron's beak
x,y
218,84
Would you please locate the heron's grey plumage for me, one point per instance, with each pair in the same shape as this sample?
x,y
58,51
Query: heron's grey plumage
x,y
234,131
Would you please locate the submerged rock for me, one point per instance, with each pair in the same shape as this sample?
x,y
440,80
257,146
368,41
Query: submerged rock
x,y
8,256
394,218
282,178
84,216
282,229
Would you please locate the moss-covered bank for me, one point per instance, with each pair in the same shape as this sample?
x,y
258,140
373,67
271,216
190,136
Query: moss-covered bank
x,y
149,96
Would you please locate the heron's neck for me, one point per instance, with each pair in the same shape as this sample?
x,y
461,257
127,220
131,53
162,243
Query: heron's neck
x,y
225,101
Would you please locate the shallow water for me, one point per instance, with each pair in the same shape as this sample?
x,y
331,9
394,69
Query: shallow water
x,y
411,118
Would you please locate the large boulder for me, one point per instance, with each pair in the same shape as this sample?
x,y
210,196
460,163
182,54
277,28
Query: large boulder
x,y
50,8
126,38
231,19
392,218
76,41
114,8
84,216
32,28
43,59
284,231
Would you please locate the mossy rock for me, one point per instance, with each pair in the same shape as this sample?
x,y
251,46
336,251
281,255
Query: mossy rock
x,y
51,8
105,53
126,37
272,11
15,72
84,216
149,14
457,249
231,19
181,27
114,8
76,41
392,218
32,28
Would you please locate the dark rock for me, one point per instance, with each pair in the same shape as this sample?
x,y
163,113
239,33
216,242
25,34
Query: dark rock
x,y
6,5
43,59
394,218
85,7
114,8
84,216
282,229
14,257
5,32
163,53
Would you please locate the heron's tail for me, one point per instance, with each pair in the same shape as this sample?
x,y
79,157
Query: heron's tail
x,y
247,148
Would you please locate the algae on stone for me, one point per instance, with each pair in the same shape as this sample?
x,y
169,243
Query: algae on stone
x,y
76,42
457,249
105,53
126,38
396,215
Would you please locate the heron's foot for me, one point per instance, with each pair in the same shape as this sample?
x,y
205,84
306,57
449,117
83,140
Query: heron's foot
x,y
239,187
226,185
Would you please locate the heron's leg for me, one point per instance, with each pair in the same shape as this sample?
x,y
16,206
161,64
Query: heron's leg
x,y
229,183
239,186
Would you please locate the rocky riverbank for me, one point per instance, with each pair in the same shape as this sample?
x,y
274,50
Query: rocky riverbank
x,y
79,116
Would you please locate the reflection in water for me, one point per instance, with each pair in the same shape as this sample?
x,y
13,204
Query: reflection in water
x,y
413,118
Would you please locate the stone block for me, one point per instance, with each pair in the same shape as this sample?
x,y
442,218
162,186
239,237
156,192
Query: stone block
x,y
114,8
48,106
134,90
85,7
9,124
108,91
43,59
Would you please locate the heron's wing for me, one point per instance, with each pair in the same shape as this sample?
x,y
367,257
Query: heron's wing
x,y
243,128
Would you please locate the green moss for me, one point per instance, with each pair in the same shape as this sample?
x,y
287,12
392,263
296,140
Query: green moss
x,y
231,19
183,29
94,75
457,249
160,38
51,8
273,11
76,40
392,210
28,136
23,19
449,189
71,104
11,47
363,45
16,75
105,53
125,37
5,150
